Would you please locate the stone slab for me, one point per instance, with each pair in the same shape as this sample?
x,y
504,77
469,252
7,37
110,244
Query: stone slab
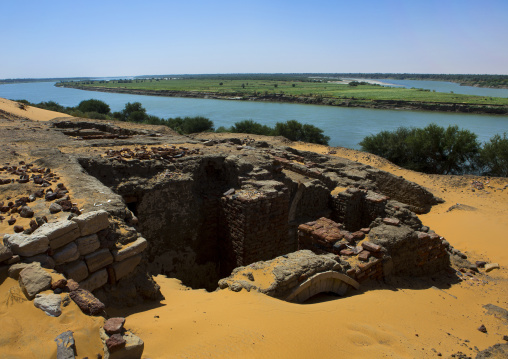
x,y
127,266
76,270
5,253
95,281
66,254
92,222
131,249
98,259
26,245
87,302
45,260
88,244
49,304
54,230
33,280
66,348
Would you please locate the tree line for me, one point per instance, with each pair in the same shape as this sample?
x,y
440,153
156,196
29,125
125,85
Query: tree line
x,y
439,150
135,112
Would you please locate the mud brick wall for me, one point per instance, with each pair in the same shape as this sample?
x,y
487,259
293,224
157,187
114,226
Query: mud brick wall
x,y
77,249
256,225
357,209
432,254
373,269
413,253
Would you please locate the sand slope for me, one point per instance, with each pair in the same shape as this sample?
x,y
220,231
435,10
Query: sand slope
x,y
32,113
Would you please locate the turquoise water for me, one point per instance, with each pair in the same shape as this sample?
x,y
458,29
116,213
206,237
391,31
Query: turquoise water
x,y
442,86
345,126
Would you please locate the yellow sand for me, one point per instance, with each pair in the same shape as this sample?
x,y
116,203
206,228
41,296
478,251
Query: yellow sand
x,y
32,113
407,319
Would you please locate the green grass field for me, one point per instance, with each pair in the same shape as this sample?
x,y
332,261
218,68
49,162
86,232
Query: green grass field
x,y
297,88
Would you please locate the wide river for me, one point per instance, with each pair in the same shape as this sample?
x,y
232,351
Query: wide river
x,y
345,126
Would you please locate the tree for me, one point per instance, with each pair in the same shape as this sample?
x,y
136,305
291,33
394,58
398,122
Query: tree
x,y
134,112
494,156
249,126
196,124
432,149
93,105
295,131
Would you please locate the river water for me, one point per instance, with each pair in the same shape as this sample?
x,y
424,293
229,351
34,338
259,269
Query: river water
x,y
345,126
443,86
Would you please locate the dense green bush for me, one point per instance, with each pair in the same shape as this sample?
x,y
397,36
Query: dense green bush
x,y
250,126
432,149
494,156
93,105
295,131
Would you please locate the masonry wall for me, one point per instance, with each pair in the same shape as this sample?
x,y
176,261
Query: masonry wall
x,y
356,208
79,249
256,226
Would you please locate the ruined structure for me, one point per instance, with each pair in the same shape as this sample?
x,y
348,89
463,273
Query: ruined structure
x,y
197,209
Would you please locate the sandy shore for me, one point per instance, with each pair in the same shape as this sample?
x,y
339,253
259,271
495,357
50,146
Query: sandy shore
x,y
402,318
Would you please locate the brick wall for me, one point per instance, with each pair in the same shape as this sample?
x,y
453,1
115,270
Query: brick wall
x,y
256,225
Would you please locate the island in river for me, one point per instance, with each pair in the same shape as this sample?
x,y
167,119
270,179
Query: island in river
x,y
317,90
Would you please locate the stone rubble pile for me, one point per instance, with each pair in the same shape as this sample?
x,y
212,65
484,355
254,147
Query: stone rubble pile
x,y
168,153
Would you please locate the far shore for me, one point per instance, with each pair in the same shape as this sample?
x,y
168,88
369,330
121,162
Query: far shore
x,y
314,100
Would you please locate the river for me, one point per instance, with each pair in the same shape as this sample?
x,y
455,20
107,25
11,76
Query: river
x,y
345,126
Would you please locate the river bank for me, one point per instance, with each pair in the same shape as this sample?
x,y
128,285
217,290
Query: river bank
x,y
314,100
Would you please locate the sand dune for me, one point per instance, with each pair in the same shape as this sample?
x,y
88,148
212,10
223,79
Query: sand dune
x,y
32,113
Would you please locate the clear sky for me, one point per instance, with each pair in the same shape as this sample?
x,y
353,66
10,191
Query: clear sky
x,y
117,38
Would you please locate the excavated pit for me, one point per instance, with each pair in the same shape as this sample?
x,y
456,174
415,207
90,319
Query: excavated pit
x,y
207,214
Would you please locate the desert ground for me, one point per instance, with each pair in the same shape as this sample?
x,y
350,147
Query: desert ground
x,y
398,318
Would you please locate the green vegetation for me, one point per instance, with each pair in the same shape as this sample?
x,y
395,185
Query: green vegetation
x,y
494,156
135,112
434,149
292,130
94,106
330,91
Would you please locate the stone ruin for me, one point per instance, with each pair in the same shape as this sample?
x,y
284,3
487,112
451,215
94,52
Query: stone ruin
x,y
197,209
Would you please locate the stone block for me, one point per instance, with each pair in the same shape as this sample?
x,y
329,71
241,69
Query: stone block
x,y
59,233
364,256
127,266
87,302
114,325
5,253
15,269
77,271
99,259
65,346
26,245
371,247
95,281
391,221
45,260
66,254
33,280
131,249
49,304
491,266
88,244
133,348
92,222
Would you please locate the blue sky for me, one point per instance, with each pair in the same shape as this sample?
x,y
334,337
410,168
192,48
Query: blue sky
x,y
114,38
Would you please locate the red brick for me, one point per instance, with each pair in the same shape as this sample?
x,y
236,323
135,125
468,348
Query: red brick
x,y
364,256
